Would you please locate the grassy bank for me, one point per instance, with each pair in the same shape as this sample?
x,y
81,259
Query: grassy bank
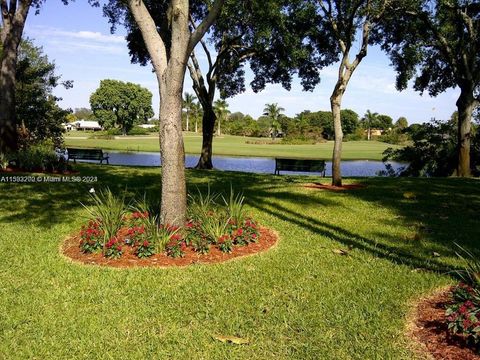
x,y
237,146
300,300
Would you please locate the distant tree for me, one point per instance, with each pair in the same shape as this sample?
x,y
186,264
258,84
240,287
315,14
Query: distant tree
x,y
350,121
433,150
264,126
384,122
188,101
221,110
401,123
273,112
37,111
83,114
333,36
196,113
369,120
70,118
119,104
437,44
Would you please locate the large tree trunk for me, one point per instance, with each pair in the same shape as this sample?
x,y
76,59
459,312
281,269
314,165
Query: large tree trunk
x,y
336,103
208,126
174,193
10,37
465,106
8,123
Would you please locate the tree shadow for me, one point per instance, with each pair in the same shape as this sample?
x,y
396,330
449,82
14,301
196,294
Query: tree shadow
x,y
442,211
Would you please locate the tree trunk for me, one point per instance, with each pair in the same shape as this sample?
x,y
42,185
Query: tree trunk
x,y
174,193
10,37
336,103
465,106
208,126
8,124
187,120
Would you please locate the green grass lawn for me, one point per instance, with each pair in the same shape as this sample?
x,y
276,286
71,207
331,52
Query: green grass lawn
x,y
237,146
299,300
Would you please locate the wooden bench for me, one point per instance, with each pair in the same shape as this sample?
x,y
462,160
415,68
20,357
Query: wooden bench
x,y
304,165
86,154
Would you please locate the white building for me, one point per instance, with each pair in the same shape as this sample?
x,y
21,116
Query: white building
x,y
87,125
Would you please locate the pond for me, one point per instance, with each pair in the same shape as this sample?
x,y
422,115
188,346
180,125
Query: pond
x,y
247,164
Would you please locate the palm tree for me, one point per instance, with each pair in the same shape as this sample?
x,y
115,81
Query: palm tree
x,y
196,113
369,118
221,109
274,112
188,101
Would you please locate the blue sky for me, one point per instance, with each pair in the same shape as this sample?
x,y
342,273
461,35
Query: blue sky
x,y
77,38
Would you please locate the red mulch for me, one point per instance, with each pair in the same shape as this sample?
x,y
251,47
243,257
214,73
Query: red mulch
x,y
334,188
430,329
71,249
38,171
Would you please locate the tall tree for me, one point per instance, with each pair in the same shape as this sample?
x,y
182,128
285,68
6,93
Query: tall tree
x,y
221,111
38,114
116,103
437,43
169,47
342,20
369,120
188,103
273,112
14,15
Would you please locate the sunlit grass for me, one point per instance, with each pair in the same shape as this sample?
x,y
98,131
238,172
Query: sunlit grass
x,y
299,300
237,146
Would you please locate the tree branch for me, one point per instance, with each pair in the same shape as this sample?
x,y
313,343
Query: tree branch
x,y
200,31
153,41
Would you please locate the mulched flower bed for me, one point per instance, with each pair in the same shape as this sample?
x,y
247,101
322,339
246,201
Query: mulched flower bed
x,y
430,329
334,188
70,248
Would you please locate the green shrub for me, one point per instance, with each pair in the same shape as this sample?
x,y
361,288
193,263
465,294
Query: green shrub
x,y
136,130
40,157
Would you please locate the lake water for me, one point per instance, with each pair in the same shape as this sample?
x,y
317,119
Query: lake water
x,y
246,164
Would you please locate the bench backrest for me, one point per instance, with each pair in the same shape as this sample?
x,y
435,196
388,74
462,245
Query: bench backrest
x,y
310,165
87,154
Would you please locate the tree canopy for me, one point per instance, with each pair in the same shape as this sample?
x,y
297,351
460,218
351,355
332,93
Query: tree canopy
x,y
38,114
436,43
119,104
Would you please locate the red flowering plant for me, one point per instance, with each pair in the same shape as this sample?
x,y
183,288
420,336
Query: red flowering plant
x,y
91,237
135,235
113,248
145,249
463,316
176,246
225,243
245,233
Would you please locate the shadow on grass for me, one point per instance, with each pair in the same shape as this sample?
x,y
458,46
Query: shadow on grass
x,y
445,209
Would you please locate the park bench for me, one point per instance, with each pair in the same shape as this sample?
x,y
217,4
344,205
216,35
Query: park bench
x,y
304,165
87,154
